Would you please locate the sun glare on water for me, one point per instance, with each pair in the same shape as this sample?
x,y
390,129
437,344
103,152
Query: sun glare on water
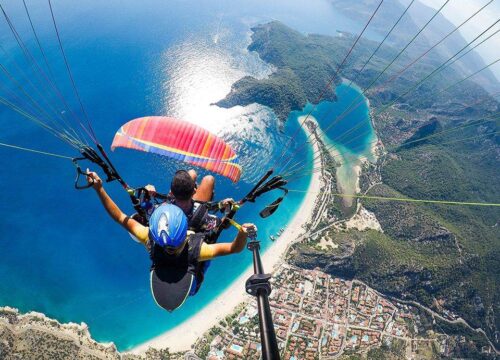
x,y
199,74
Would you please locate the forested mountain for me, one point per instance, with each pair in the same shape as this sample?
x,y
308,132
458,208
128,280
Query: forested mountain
x,y
416,17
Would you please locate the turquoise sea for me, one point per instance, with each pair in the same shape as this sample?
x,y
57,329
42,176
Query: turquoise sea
x,y
59,252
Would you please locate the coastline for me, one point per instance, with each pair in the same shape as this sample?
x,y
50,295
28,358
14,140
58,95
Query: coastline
x,y
184,335
346,173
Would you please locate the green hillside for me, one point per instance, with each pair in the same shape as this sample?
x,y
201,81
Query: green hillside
x,y
445,257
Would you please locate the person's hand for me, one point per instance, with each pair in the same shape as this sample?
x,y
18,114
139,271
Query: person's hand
x,y
94,179
250,230
228,201
151,189
227,204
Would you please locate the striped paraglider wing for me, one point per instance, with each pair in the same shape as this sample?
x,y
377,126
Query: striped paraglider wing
x,y
179,140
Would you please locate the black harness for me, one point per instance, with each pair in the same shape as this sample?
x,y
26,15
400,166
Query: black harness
x,y
188,258
198,219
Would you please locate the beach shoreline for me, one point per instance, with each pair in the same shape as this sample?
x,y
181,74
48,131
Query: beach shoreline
x,y
183,336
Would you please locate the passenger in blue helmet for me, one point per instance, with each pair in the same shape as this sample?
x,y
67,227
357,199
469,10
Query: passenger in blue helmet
x,y
192,198
179,257
168,227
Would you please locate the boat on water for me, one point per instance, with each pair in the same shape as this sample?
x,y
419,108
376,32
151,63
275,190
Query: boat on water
x,y
272,237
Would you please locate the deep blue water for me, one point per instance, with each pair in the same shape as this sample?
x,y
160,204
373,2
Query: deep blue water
x,y
59,252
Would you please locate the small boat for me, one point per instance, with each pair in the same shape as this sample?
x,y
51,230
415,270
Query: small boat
x,y
282,230
272,237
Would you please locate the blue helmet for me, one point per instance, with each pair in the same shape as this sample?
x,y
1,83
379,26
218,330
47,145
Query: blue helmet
x,y
168,226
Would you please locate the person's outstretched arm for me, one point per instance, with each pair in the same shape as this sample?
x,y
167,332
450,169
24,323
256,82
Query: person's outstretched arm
x,y
132,226
237,245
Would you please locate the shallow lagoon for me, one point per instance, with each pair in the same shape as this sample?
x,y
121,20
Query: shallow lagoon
x,y
346,129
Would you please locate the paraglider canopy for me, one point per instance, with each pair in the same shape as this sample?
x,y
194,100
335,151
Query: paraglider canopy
x,y
179,140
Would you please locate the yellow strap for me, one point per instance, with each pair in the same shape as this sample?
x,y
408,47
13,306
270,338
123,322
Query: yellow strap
x,y
235,224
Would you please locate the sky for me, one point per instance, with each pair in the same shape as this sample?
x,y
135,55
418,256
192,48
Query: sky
x,y
457,11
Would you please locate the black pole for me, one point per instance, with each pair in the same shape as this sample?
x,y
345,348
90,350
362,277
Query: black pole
x,y
258,285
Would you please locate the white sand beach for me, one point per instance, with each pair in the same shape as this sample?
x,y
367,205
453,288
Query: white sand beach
x,y
183,336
